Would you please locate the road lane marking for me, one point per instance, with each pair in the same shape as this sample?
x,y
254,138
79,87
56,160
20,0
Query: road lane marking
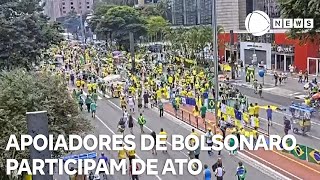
x,y
266,168
308,167
202,132
157,176
145,126
273,165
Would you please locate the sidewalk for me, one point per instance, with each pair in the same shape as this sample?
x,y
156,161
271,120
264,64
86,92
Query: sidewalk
x,y
284,163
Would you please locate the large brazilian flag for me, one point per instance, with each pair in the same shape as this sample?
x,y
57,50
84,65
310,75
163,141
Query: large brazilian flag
x,y
313,155
300,151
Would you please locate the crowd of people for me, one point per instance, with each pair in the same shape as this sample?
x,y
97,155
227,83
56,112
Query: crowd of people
x,y
151,85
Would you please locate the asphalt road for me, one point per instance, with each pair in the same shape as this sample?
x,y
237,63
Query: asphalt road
x,y
109,113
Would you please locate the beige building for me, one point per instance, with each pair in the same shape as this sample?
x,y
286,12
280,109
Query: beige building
x,y
59,8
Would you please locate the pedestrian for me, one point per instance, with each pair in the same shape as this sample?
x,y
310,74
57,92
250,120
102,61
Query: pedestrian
x,y
154,135
121,125
88,103
130,123
260,90
160,104
220,172
269,115
217,164
122,154
206,173
146,99
164,140
306,74
141,122
139,103
209,141
133,176
131,154
223,127
256,110
80,103
300,76
203,112
241,171
93,108
287,125
197,152
275,76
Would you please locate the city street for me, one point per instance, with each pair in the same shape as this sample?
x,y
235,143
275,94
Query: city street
x,y
108,115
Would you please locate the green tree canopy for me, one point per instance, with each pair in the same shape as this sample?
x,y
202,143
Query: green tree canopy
x,y
22,91
119,21
156,25
302,9
25,33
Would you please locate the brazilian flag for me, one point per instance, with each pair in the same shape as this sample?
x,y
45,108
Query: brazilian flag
x,y
300,152
313,155
211,104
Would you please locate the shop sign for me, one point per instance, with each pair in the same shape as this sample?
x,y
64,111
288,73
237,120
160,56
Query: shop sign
x,y
284,49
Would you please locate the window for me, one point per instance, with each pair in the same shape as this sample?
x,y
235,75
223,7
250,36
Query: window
x,y
88,7
79,7
88,2
63,7
72,7
63,3
64,12
79,3
71,3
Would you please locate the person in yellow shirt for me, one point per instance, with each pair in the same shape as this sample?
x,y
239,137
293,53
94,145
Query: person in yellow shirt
x,y
82,83
78,83
251,110
131,155
89,86
94,87
162,132
122,154
192,141
256,110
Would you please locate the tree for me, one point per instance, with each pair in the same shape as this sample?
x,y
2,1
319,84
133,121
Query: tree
x,y
156,25
25,33
22,91
302,9
119,21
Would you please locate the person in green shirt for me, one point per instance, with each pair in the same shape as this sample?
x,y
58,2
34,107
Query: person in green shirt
x,y
203,112
88,103
141,122
161,108
80,101
93,108
94,97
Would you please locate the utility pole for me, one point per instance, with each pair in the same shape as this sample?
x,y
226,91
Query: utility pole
x,y
231,55
133,64
215,56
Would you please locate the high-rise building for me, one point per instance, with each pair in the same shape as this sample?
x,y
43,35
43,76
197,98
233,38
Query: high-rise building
x,y
60,8
199,12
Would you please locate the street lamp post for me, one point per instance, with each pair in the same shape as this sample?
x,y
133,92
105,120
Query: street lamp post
x,y
215,56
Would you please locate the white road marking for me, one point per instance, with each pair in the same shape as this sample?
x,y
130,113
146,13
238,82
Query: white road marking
x,y
144,125
157,176
254,163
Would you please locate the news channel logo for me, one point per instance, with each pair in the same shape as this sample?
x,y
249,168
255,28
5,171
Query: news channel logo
x,y
258,23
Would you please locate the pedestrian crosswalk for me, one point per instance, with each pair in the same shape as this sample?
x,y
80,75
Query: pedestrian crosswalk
x,y
277,91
